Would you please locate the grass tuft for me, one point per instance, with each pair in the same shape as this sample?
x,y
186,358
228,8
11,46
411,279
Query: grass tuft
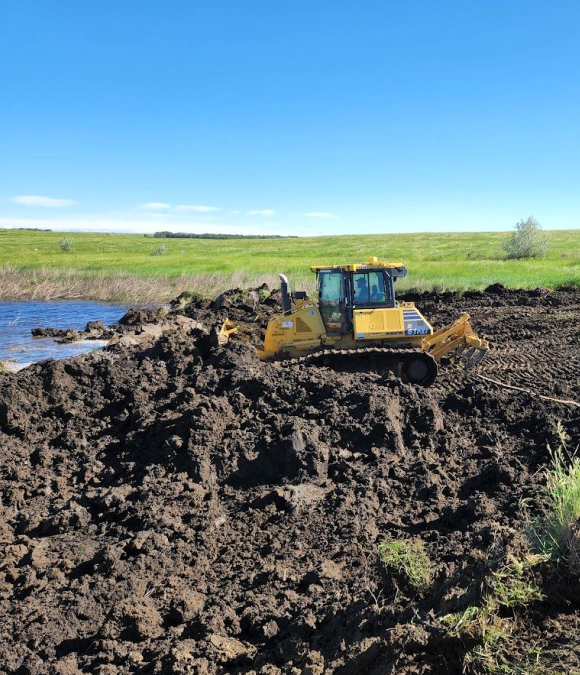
x,y
408,558
512,585
485,631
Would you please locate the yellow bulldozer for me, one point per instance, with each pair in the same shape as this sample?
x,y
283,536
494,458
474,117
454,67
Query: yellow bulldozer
x,y
357,314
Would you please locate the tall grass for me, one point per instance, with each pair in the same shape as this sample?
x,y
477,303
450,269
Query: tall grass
x,y
49,284
557,531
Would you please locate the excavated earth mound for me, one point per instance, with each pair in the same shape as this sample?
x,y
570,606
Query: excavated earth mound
x,y
176,507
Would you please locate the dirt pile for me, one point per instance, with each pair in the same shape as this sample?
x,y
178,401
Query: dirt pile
x,y
177,507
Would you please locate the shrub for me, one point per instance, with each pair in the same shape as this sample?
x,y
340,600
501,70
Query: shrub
x,y
160,250
527,241
66,245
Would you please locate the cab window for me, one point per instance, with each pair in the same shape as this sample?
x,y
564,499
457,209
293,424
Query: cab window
x,y
372,289
331,301
330,286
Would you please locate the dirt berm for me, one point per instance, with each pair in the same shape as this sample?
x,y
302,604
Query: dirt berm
x,y
173,507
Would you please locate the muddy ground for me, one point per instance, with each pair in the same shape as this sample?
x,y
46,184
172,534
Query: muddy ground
x,y
172,507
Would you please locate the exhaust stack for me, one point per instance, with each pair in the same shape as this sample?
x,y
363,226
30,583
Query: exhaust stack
x,y
285,288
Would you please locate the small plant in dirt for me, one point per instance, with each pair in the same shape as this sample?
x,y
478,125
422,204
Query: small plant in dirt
x,y
185,299
407,557
485,630
264,293
66,245
529,663
556,532
527,241
160,250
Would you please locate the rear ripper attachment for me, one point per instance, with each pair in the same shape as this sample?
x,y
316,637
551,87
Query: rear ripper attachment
x,y
356,320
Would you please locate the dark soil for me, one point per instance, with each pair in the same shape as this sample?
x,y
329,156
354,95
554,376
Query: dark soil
x,y
175,507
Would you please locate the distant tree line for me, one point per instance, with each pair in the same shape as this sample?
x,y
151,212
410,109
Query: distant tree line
x,y
208,235
27,229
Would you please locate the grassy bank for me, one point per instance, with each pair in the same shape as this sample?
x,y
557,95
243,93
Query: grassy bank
x,y
118,287
135,268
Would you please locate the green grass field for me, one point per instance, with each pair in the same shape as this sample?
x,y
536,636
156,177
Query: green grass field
x,y
446,261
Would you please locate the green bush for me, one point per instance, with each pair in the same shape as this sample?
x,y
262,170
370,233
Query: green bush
x,y
528,240
66,245
160,250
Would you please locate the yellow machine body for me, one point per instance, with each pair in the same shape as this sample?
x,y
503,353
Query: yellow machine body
x,y
356,308
302,331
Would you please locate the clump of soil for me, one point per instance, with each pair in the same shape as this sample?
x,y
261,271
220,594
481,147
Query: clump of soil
x,y
175,506
94,330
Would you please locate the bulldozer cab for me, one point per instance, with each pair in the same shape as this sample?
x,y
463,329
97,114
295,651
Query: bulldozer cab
x,y
344,290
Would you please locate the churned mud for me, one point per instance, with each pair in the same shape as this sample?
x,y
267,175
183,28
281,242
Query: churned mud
x,y
170,506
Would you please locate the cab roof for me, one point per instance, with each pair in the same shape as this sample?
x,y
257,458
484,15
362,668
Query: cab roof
x,y
373,264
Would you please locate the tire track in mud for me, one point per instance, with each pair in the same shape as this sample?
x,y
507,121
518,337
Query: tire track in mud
x,y
523,368
542,361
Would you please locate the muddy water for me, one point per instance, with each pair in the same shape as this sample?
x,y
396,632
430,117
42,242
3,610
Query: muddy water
x,y
17,319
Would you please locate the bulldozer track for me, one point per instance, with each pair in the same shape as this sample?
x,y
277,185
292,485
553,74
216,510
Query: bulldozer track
x,y
363,351
391,360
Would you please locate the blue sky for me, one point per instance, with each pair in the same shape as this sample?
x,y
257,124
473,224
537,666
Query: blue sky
x,y
289,116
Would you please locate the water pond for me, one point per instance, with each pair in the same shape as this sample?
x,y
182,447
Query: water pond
x,y
17,318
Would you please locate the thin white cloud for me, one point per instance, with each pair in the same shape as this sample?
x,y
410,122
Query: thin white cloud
x,y
319,214
196,208
260,212
38,200
154,206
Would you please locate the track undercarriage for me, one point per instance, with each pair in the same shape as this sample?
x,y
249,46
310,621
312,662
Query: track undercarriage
x,y
412,366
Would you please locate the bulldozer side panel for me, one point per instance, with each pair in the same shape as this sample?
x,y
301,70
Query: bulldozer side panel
x,y
299,331
385,323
